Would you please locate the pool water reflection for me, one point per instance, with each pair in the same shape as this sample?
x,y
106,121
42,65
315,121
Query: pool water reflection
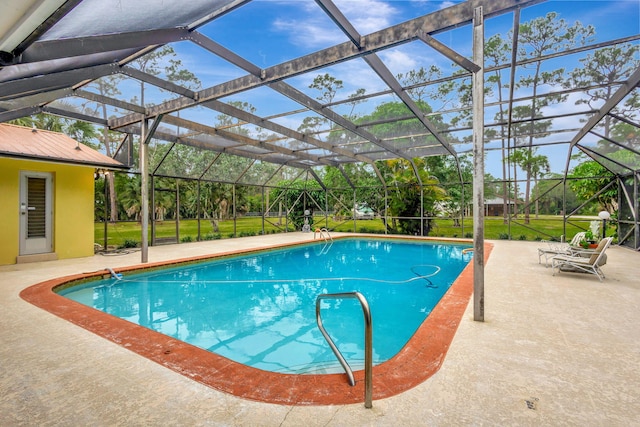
x,y
258,309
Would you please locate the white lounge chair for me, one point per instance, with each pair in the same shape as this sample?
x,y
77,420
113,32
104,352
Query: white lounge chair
x,y
583,261
559,248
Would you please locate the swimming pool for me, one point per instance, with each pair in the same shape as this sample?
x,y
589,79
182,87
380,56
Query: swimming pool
x,y
259,309
418,360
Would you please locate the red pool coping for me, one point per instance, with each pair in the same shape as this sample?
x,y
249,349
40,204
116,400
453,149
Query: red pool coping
x,y
418,360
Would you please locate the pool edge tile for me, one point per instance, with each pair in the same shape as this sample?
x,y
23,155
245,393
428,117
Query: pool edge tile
x,y
421,357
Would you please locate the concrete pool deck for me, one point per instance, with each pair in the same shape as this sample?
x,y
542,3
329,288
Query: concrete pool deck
x,y
553,350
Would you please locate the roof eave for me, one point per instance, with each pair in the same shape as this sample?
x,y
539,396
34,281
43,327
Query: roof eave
x,y
97,165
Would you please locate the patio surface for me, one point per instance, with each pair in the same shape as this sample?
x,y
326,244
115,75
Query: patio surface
x,y
553,350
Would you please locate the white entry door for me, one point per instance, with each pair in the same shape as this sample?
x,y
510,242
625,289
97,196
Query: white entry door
x,y
36,211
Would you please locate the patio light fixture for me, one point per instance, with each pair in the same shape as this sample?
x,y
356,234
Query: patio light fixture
x,y
604,216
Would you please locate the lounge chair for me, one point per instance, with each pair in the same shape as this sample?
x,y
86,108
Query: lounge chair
x,y
559,248
583,261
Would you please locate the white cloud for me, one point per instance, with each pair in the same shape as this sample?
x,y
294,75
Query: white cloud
x,y
431,5
446,4
367,16
312,28
569,106
398,61
310,33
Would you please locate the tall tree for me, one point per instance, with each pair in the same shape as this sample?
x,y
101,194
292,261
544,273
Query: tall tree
x,y
445,169
554,199
599,72
589,178
415,82
163,62
355,99
299,196
328,87
538,165
537,38
341,194
128,188
410,197
107,87
496,54
516,158
80,131
625,133
233,124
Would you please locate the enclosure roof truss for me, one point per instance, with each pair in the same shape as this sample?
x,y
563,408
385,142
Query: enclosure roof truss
x,y
49,59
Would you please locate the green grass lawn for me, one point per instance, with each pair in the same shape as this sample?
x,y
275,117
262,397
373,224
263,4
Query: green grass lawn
x,y
127,234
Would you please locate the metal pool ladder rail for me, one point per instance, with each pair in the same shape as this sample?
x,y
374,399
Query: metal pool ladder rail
x,y
321,232
368,342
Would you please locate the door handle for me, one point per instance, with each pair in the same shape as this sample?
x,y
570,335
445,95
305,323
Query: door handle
x,y
24,208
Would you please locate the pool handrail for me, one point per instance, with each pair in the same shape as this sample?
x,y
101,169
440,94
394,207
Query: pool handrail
x,y
321,232
368,342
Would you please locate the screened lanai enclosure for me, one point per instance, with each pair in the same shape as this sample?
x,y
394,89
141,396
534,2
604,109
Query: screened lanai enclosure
x,y
456,118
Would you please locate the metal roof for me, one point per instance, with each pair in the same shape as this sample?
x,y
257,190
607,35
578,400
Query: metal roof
x,y
37,144
53,53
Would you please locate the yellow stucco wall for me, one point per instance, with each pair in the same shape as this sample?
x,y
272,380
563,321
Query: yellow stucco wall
x,y
73,207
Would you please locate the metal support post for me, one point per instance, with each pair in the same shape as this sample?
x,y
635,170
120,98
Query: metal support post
x,y
478,166
144,191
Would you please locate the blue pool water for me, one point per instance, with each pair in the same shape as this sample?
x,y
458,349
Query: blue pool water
x,y
259,309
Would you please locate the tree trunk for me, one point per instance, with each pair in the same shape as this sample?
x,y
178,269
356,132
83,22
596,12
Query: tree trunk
x,y
109,176
527,198
515,191
535,183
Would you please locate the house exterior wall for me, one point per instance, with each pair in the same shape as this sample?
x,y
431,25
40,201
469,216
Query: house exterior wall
x,y
73,206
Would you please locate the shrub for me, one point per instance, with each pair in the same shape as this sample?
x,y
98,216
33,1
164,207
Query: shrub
x,y
369,230
522,237
503,236
212,236
186,239
129,243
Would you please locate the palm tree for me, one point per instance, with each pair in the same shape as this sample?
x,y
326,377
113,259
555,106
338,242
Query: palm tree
x,y
516,158
408,198
539,165
129,195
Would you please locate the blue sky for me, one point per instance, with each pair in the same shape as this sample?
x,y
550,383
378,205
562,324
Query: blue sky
x,y
275,31
269,32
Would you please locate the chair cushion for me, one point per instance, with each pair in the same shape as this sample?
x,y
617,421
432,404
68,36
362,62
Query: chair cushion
x,y
597,251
